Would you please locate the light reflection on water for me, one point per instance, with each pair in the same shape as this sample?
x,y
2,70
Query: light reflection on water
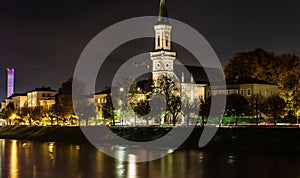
x,y
14,160
24,159
231,159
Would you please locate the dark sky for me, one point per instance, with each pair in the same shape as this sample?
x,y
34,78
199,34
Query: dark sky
x,y
42,40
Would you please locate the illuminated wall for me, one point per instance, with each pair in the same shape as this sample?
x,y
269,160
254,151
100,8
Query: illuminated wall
x,y
35,97
10,81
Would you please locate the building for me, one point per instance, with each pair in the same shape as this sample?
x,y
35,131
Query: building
x,y
191,80
246,87
8,101
100,99
47,102
10,81
163,60
19,100
3,105
44,96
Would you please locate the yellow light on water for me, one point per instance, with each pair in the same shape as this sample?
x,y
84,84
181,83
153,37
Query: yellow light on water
x,y
13,159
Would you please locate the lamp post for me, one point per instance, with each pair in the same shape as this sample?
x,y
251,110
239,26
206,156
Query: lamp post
x,y
121,102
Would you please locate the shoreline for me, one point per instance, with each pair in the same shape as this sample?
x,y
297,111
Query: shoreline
x,y
235,139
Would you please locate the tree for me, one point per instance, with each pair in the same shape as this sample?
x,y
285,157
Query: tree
x,y
189,107
256,103
169,88
236,106
25,113
85,108
174,107
83,103
204,105
63,101
275,106
142,108
35,114
108,109
254,64
51,114
193,107
283,70
138,99
8,112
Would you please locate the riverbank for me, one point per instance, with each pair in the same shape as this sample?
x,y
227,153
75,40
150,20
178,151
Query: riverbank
x,y
263,139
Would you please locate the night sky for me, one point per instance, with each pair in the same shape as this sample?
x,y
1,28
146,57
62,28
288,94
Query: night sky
x,y
42,40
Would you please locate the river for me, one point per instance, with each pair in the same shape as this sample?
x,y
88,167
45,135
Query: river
x,y
27,159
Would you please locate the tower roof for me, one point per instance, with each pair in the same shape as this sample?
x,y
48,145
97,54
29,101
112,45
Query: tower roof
x,y
163,13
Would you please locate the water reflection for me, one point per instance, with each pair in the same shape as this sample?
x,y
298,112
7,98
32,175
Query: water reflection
x,y
231,159
119,163
51,152
132,166
23,159
13,173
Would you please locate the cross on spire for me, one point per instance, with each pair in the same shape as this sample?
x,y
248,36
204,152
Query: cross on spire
x,y
163,13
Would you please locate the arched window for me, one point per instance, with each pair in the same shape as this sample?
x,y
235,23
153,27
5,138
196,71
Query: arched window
x,y
167,40
248,92
158,40
260,92
271,93
242,92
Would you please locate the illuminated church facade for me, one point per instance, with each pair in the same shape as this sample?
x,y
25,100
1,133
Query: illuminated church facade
x,y
163,59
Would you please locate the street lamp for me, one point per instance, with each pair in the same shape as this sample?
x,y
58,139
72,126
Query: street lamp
x,y
121,102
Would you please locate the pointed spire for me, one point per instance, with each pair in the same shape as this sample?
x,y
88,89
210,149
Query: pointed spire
x,y
162,14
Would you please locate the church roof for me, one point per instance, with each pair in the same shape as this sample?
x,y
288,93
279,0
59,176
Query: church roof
x,y
198,73
105,91
246,80
163,13
45,89
232,83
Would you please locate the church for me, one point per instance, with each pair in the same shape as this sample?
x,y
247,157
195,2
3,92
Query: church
x,y
191,81
163,60
193,84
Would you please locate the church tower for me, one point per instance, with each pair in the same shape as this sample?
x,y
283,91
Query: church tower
x,y
162,58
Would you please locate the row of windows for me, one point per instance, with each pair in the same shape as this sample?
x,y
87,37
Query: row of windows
x,y
242,92
101,100
260,92
167,40
34,95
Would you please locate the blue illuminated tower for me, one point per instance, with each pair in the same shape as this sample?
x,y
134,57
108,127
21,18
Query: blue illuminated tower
x,y
10,81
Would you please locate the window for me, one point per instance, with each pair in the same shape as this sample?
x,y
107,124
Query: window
x,y
158,40
167,40
235,92
228,92
201,97
260,92
208,93
248,92
242,92
271,92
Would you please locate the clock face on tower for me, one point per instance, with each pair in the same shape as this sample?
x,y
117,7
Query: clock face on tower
x,y
162,65
167,65
157,65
